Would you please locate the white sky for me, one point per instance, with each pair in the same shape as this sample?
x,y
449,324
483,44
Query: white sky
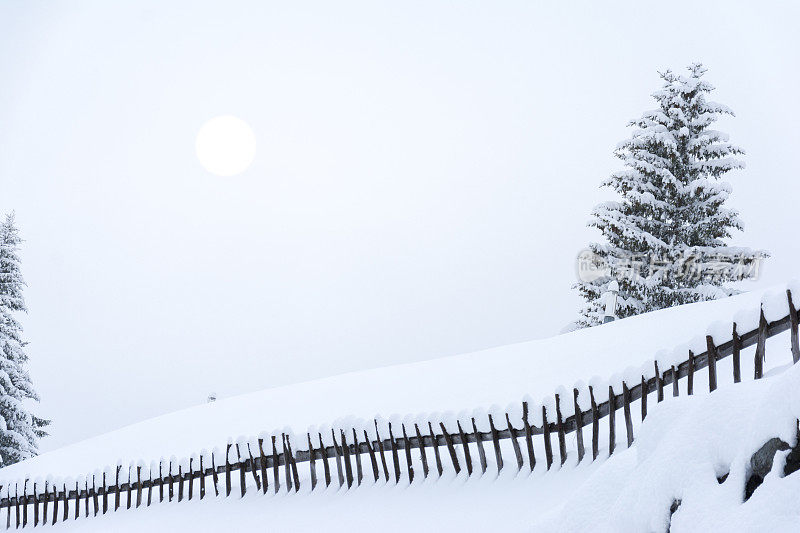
x,y
423,177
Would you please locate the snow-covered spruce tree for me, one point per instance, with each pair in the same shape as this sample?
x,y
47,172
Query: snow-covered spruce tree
x,y
665,236
20,430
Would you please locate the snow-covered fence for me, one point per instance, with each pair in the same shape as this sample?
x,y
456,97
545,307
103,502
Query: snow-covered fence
x,y
394,451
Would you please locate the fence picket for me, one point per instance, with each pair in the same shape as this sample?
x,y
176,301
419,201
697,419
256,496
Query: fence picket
x,y
436,455
372,459
498,453
528,436
450,448
395,456
793,326
481,450
407,449
690,374
612,429
760,355
382,452
465,446
644,398
326,467
514,443
578,415
422,455
562,437
548,446
737,350
595,425
626,410
712,363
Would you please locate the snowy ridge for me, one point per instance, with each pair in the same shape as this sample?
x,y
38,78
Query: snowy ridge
x,y
396,449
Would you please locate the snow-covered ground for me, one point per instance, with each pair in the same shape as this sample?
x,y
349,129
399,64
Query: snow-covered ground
x,y
684,446
682,437
498,376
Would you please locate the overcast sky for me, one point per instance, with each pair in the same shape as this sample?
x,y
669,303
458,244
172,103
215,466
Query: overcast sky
x,y
423,176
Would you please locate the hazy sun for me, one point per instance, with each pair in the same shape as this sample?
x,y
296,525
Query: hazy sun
x,y
226,145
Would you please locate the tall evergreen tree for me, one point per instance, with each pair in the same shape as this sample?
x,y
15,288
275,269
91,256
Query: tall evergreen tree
x,y
20,430
665,236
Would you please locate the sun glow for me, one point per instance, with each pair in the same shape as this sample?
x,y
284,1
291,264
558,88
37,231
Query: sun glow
x,y
226,145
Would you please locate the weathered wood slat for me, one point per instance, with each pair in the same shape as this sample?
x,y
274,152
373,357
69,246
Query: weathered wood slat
x,y
562,438
528,437
450,448
758,363
514,443
626,410
793,327
712,363
548,446
481,450
407,447
611,423
438,457
737,350
579,427
644,398
465,446
595,425
422,455
690,374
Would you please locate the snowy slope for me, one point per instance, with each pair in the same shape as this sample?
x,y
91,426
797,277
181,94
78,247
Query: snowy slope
x,y
684,445
500,375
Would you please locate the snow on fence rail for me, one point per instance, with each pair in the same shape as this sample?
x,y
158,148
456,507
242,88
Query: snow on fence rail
x,y
441,445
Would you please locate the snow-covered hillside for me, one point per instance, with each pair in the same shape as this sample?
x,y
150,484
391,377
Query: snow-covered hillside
x,y
498,376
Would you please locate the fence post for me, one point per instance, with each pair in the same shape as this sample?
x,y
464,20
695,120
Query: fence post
x,y
626,410
395,456
479,442
612,438
276,473
528,436
191,477
690,375
659,383
214,475
548,446
55,506
578,425
675,388
293,464
438,458
262,463
227,472
381,450
287,464
737,353
338,451
644,398
465,446
348,469
712,363
595,425
25,504
35,506
242,473
357,453
407,449
514,443
760,347
562,438
372,458
312,464
160,481
450,448
202,477
498,453
793,327
422,451
66,504
325,465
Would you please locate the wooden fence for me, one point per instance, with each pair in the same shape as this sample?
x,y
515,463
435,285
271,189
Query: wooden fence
x,y
277,467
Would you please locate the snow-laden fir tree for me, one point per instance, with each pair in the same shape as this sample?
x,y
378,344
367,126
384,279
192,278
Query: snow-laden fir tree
x,y
665,235
20,430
